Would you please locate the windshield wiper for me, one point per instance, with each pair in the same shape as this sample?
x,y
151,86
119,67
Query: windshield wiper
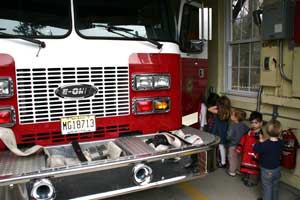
x,y
113,29
32,40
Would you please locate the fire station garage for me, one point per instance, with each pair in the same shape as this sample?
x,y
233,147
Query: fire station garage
x,y
150,99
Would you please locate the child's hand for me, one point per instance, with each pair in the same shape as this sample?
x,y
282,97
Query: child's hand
x,y
213,109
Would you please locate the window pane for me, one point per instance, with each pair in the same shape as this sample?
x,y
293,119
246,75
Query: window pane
x,y
236,30
255,54
234,78
254,77
245,11
240,9
244,55
235,55
256,4
256,34
38,19
189,29
146,18
246,28
236,8
244,79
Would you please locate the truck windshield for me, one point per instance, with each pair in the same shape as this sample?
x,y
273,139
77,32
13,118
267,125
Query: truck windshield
x,y
35,19
146,18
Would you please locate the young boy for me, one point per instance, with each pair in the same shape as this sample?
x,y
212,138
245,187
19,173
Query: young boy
x,y
237,130
270,152
249,164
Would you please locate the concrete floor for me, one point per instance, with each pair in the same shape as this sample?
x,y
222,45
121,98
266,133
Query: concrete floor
x,y
216,186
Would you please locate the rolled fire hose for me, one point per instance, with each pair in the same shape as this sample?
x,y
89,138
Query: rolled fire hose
x,y
8,138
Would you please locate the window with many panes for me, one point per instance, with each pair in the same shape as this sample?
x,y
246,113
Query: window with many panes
x,y
243,47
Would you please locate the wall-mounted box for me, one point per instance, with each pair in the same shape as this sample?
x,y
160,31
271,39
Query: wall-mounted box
x,y
269,73
278,19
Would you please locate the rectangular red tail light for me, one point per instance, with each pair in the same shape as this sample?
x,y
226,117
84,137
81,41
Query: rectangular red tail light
x,y
144,106
7,117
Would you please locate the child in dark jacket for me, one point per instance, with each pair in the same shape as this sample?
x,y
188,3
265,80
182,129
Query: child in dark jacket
x,y
220,127
249,164
270,152
237,130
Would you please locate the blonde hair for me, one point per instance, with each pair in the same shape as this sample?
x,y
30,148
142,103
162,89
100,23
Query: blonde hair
x,y
239,114
273,128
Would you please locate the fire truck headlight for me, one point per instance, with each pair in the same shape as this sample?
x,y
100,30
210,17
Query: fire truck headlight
x,y
162,82
6,87
151,81
7,117
143,82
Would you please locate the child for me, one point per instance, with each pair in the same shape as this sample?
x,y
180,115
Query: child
x,y
249,164
220,128
270,152
206,121
237,130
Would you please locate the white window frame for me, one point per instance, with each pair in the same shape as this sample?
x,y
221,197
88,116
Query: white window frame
x,y
228,54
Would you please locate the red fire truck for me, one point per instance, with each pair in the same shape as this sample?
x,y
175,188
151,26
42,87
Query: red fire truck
x,y
102,87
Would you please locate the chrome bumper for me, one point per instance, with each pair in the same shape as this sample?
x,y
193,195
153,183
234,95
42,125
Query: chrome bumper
x,y
27,170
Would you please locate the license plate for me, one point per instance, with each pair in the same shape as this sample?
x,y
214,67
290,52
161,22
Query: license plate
x,y
78,124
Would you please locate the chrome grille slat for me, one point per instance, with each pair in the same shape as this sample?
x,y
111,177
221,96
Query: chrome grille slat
x,y
38,103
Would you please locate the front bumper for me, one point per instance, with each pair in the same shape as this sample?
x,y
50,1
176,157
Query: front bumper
x,y
107,178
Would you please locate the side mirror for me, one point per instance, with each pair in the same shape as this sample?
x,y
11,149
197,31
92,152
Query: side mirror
x,y
196,46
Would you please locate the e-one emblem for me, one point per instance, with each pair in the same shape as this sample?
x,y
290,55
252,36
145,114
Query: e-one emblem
x,y
76,91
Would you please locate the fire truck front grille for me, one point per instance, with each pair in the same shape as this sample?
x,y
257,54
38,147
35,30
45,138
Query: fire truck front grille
x,y
37,101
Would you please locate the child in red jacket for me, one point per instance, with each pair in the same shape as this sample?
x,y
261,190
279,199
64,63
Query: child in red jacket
x,y
249,164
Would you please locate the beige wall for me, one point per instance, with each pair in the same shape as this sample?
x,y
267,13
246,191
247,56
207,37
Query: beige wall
x,y
215,49
282,93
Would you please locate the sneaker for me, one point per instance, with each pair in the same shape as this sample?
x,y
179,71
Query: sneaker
x,y
249,184
231,174
259,198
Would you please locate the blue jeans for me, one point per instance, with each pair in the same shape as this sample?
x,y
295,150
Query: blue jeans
x,y
270,183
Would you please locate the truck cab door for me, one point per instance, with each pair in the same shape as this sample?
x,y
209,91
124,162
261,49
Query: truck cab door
x,y
194,29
